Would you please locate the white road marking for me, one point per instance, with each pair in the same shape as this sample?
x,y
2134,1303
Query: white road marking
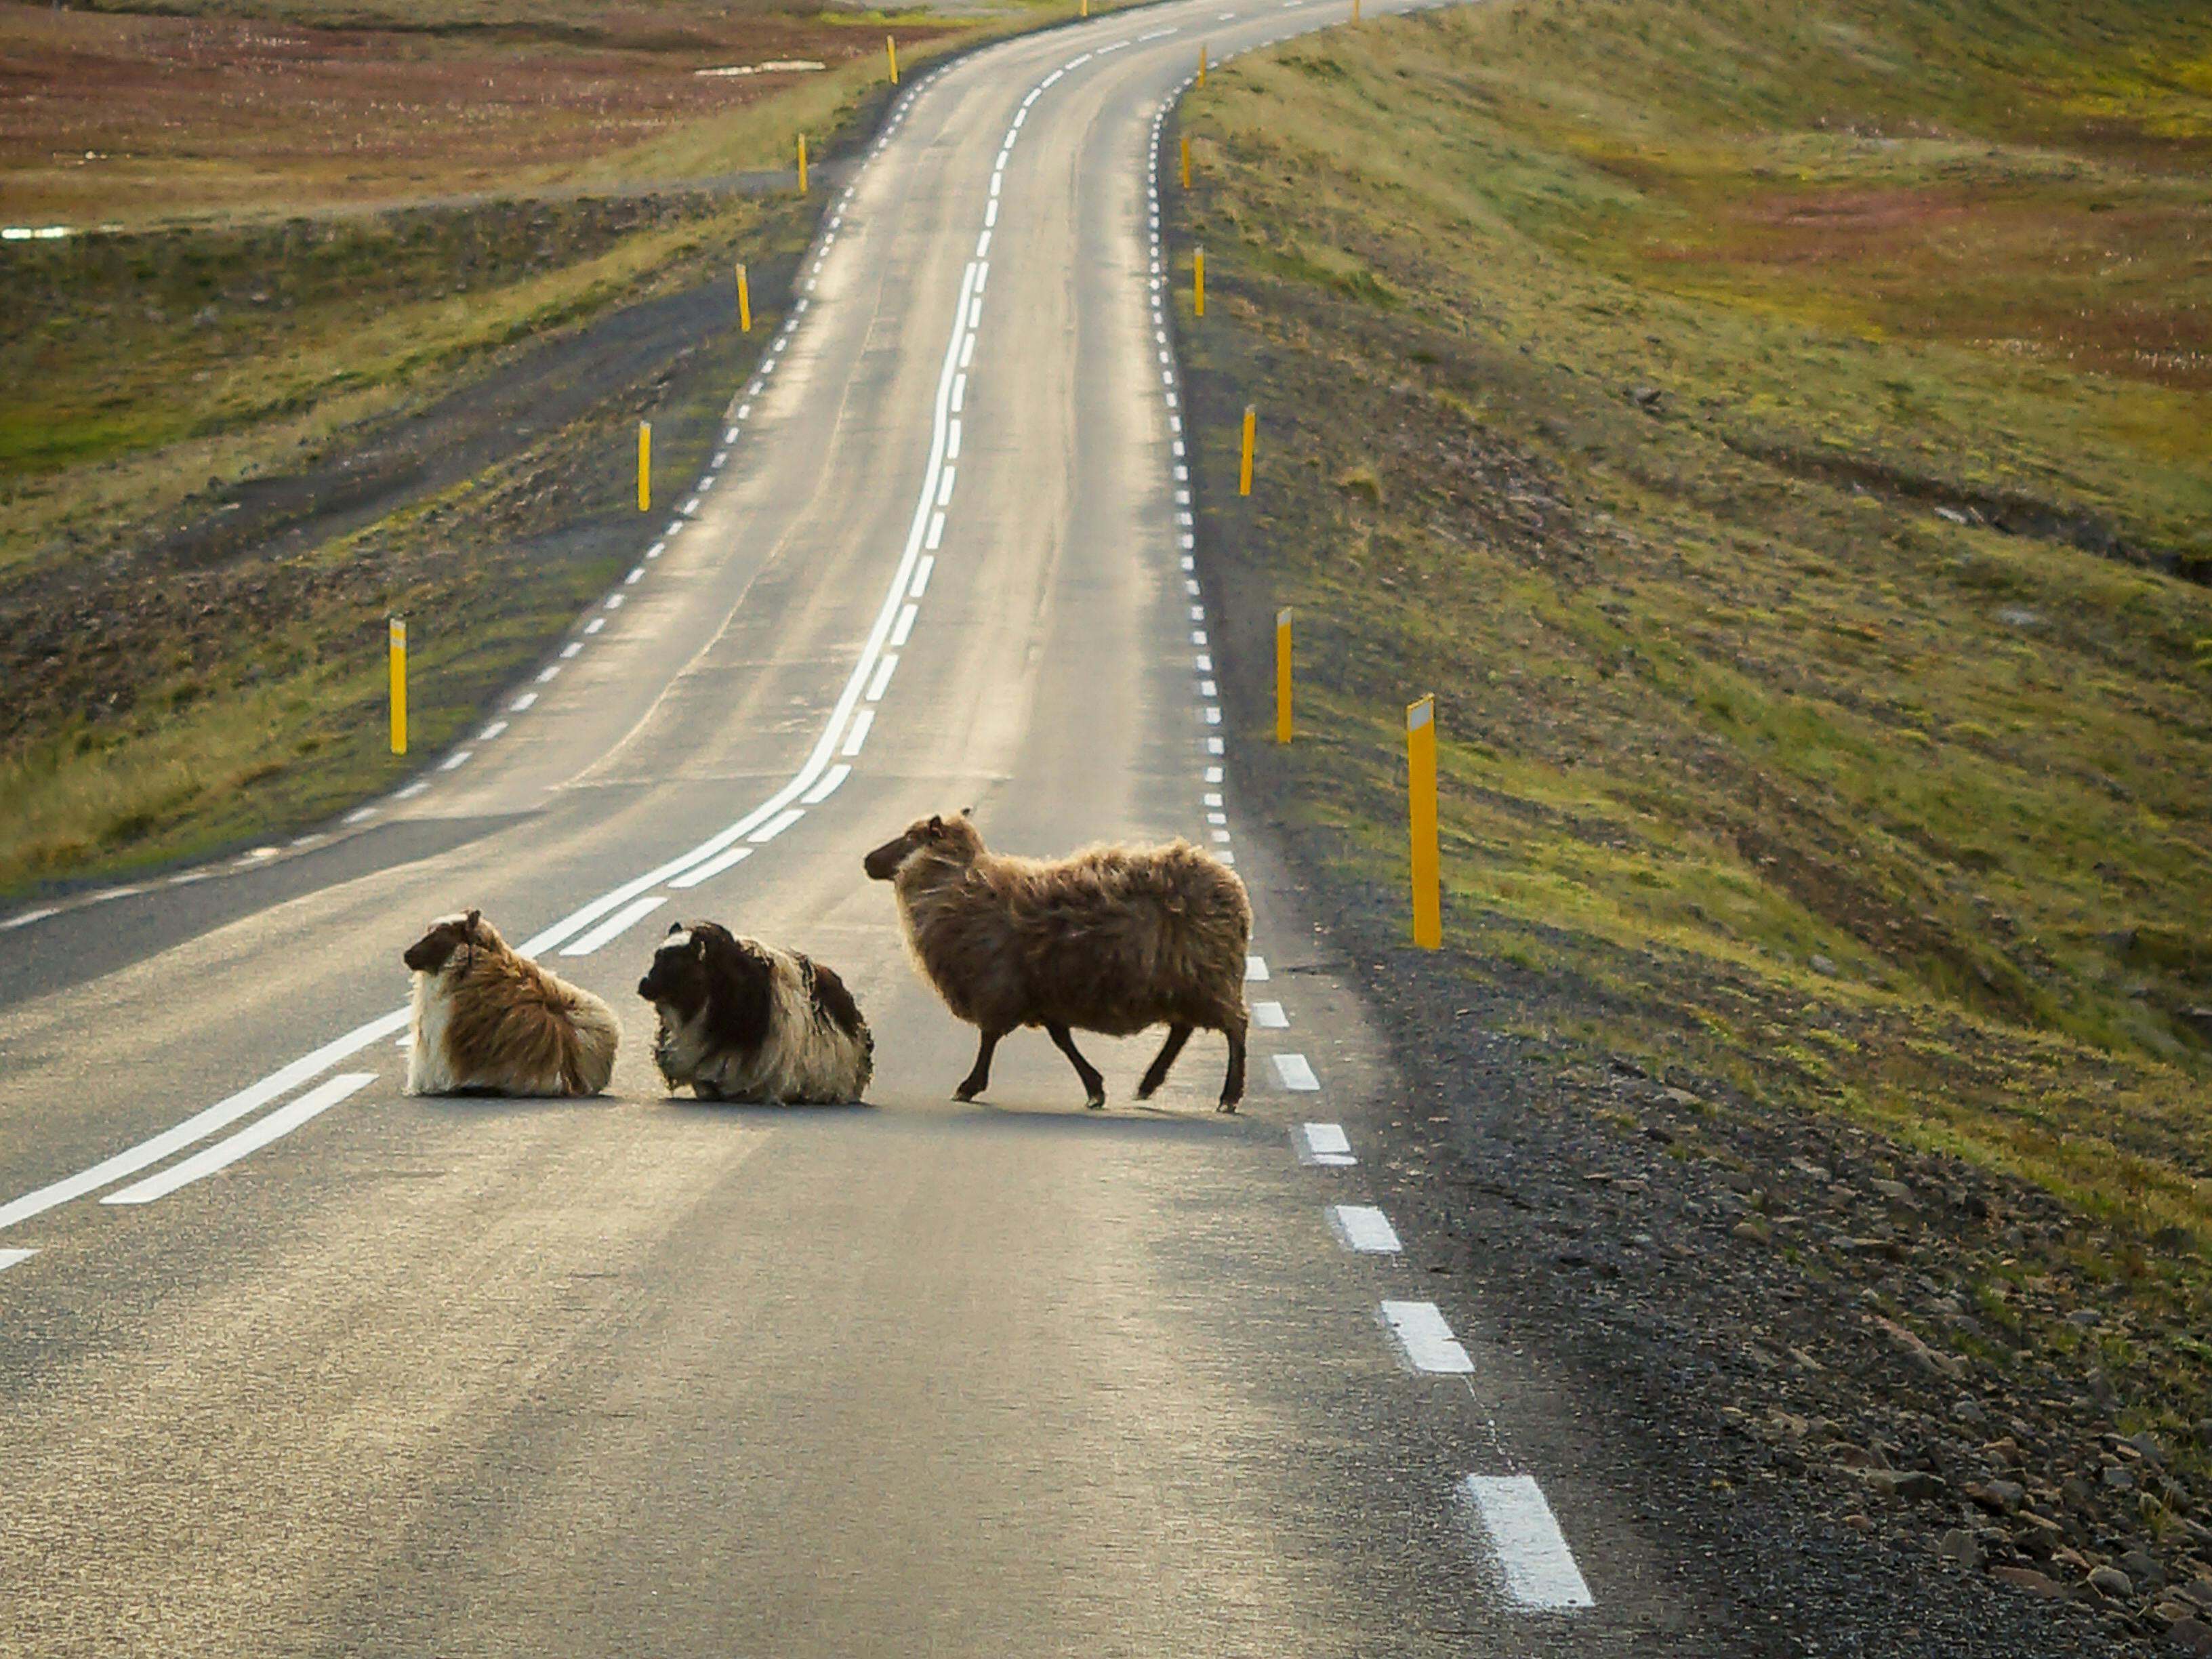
x,y
1255,968
547,676
411,791
256,1135
952,441
491,731
922,577
30,916
945,485
1525,1540
959,392
713,867
776,825
1363,1228
689,506
569,651
1213,775
522,702
1213,746
635,577
936,537
455,761
615,926
821,790
13,1258
904,626
1198,636
1270,1017
859,734
1294,1073
359,815
1213,715
882,680
1322,1144
1425,1340
224,1112
595,624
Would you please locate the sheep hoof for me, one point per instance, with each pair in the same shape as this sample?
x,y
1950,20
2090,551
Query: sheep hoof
x,y
1096,1103
1226,1106
965,1094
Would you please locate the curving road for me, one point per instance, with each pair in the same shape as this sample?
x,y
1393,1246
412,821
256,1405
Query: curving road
x,y
290,1362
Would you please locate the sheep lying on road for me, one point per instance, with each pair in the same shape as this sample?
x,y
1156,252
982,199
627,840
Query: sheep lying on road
x,y
1112,939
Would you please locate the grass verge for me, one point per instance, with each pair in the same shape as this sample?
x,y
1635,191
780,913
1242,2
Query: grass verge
x,y
1782,439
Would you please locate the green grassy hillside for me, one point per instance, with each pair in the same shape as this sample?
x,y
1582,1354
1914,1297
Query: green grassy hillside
x,y
1782,436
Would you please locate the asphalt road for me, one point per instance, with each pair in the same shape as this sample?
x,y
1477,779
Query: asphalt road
x,y
292,1363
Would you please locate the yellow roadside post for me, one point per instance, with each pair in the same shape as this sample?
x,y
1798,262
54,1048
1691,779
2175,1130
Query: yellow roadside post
x,y
1086,8
1198,282
1283,675
802,164
1421,813
890,46
398,686
1251,431
1186,162
1202,63
1355,10
645,466
744,301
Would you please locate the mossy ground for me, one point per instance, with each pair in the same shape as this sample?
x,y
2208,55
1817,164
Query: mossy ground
x,y
1782,438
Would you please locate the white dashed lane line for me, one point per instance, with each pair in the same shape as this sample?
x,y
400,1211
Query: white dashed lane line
x,y
614,927
1294,1073
1270,1017
712,867
1255,968
13,1258
1523,1540
256,1135
1363,1228
1323,1143
1425,1338
776,825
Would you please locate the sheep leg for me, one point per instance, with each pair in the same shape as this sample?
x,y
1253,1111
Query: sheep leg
x,y
1157,1072
1094,1085
1232,1086
979,1076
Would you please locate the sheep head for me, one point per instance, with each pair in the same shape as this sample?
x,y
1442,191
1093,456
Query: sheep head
x,y
952,840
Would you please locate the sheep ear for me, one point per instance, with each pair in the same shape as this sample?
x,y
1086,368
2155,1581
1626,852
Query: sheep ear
x,y
936,822
475,916
674,927
968,812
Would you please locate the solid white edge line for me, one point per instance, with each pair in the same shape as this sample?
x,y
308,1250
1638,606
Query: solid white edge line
x,y
614,927
1425,1338
221,1115
1364,1229
1525,1541
256,1135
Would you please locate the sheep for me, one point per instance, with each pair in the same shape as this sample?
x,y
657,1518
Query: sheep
x,y
745,1021
1112,939
487,1021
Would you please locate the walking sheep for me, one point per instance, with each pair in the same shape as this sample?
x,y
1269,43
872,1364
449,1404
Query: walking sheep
x,y
487,1021
1112,939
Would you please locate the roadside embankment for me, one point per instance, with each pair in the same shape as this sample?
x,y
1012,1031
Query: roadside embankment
x,y
1779,438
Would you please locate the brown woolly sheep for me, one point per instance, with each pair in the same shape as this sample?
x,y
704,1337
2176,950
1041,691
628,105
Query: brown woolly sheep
x,y
1112,940
487,1021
